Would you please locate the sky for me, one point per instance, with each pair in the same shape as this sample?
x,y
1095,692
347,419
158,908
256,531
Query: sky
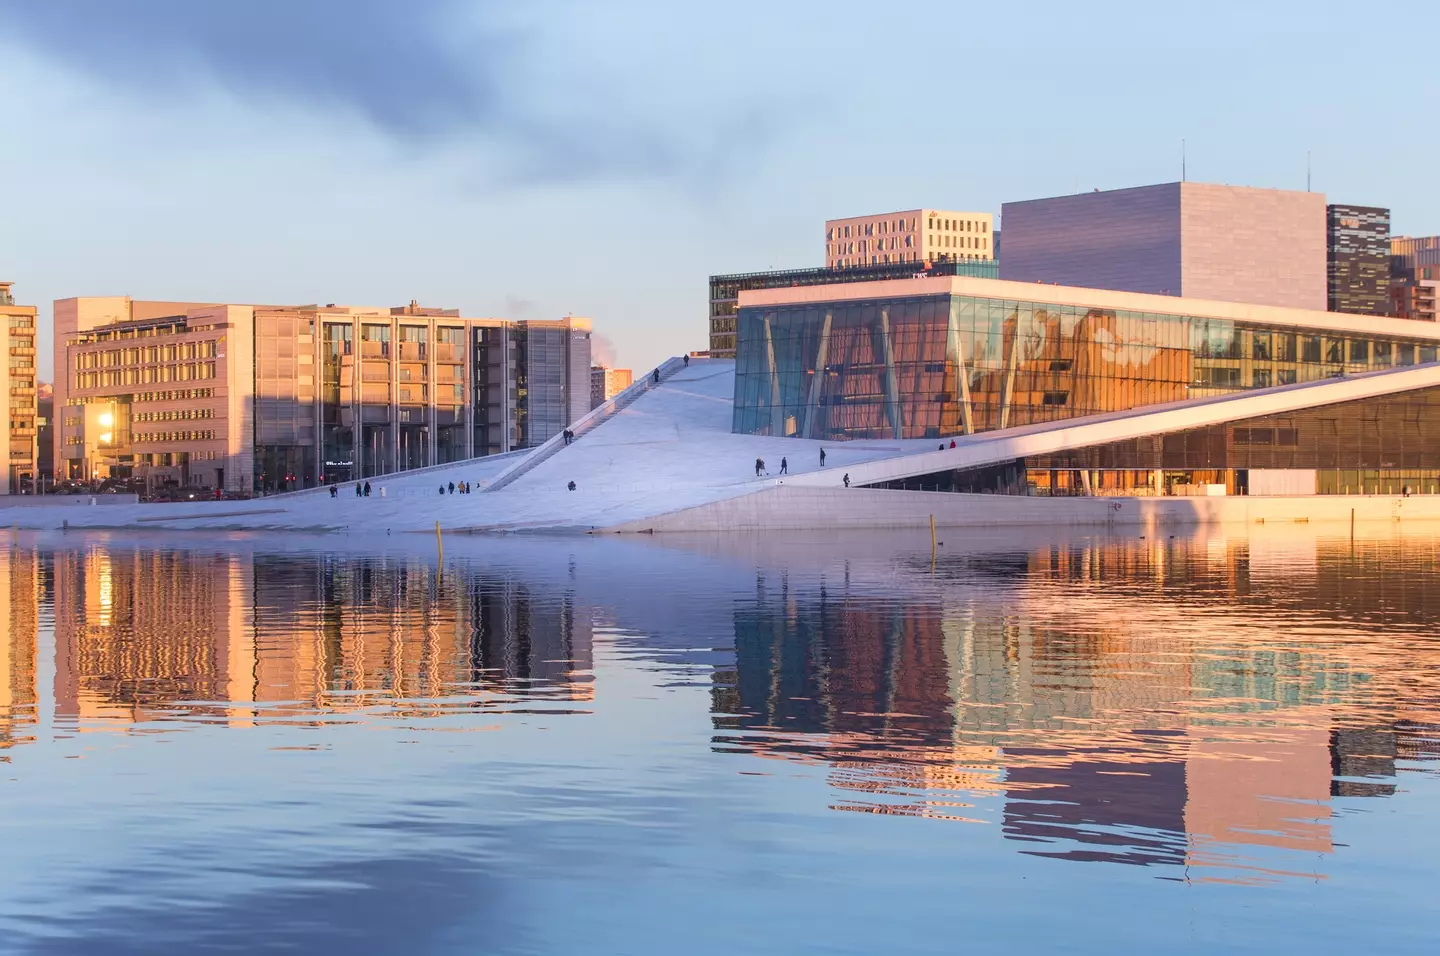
x,y
602,158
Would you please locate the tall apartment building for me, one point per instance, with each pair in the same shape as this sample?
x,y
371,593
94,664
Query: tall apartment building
x,y
17,399
606,383
1414,277
253,398
1198,240
912,235
1357,257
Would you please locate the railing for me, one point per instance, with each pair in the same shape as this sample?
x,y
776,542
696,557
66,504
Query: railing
x,y
583,425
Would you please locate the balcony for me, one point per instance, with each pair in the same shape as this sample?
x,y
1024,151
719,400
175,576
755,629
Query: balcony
x,y
22,350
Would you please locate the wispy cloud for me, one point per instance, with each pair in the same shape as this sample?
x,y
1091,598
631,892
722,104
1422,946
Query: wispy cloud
x,y
440,72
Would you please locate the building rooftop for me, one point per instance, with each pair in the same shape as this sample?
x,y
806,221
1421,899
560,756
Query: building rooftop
x,y
1089,299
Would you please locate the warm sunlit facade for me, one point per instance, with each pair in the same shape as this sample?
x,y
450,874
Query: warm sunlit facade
x,y
246,398
937,357
911,235
18,397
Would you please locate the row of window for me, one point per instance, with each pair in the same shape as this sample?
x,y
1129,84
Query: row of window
x,y
149,355
173,395
145,376
888,258
174,415
203,435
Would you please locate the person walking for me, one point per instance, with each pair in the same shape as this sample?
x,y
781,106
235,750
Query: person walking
x,y
822,458
452,487
656,376
952,443
759,466
367,489
442,489
333,489
571,486
847,479
784,466
359,492
686,360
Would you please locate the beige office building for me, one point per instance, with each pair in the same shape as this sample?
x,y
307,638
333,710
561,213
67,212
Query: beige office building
x,y
17,399
913,235
255,398
606,383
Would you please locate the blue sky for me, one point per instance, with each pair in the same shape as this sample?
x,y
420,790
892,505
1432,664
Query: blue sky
x,y
602,158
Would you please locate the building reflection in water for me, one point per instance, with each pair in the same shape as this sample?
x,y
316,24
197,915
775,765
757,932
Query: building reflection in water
x,y
142,634
1190,704
20,589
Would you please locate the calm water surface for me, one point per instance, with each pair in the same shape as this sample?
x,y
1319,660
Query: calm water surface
x,y
834,745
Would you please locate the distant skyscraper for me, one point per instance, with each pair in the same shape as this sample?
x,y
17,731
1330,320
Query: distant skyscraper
x,y
1198,240
914,235
1357,259
1414,277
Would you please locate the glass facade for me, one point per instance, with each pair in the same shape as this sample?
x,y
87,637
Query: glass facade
x,y
933,366
1384,445
1357,259
725,289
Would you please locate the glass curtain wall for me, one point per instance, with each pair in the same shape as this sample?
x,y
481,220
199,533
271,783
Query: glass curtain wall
x,y
932,366
450,395
337,417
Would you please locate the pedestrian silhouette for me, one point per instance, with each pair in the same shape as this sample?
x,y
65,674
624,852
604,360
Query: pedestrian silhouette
x,y
656,376
452,487
571,486
333,489
367,489
822,458
784,466
687,361
847,479
358,490
952,443
759,466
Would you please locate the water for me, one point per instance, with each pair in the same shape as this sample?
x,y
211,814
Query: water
x,y
834,745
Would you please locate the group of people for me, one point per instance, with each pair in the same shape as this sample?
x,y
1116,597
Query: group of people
x,y
785,466
362,490
568,435
463,488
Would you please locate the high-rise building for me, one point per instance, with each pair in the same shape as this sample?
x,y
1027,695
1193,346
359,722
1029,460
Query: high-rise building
x,y
1198,240
17,398
1357,257
912,235
606,383
249,398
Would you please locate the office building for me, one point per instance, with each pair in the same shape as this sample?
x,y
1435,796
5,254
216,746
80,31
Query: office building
x,y
936,357
606,383
1198,240
912,235
253,398
17,399
44,435
1357,256
725,289
1414,275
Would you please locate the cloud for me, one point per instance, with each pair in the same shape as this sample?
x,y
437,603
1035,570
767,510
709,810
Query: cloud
x,y
434,72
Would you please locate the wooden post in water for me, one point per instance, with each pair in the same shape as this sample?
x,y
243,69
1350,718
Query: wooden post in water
x,y
439,543
932,536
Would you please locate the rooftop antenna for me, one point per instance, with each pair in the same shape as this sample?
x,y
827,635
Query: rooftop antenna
x,y
1182,160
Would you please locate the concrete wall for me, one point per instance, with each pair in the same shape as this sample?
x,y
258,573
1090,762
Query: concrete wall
x,y
787,508
80,501
1124,239
1253,245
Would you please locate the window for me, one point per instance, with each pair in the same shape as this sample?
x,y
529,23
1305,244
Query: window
x,y
1260,346
1359,350
1335,351
1260,378
1310,348
1056,398
1382,353
1284,347
1286,376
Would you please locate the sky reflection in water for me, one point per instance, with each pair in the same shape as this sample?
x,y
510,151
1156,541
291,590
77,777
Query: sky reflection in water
x,y
720,745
